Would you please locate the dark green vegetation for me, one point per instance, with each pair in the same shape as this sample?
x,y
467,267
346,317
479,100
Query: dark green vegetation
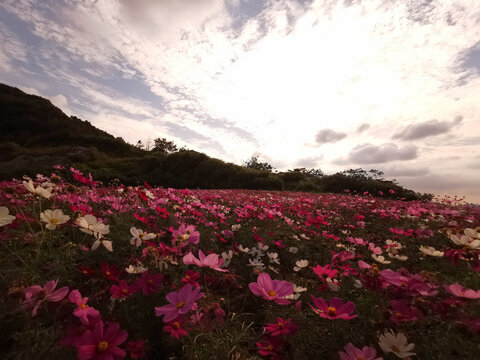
x,y
37,135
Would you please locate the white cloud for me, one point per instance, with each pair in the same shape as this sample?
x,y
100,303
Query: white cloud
x,y
280,77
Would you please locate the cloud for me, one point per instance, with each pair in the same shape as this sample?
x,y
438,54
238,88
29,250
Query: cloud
x,y
363,127
373,154
401,171
427,129
329,136
309,162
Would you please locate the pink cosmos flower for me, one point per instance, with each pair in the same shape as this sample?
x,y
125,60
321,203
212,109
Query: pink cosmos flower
x,y
212,261
458,291
281,327
185,235
353,353
336,310
36,295
180,303
270,289
326,270
270,345
136,349
402,312
100,344
123,290
149,283
83,311
191,277
75,332
175,328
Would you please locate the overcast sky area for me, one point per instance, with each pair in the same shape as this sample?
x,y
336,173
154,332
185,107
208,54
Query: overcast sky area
x,y
388,85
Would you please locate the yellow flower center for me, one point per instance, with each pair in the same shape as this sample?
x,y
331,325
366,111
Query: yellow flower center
x,y
150,282
280,325
187,277
176,325
85,272
125,291
102,346
54,221
272,293
270,347
331,311
83,306
180,304
108,273
398,315
395,349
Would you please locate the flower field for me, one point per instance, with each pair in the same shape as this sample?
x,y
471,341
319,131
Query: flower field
x,y
90,271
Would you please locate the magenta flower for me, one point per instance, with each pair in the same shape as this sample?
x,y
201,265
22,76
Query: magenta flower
x,y
336,310
191,277
101,344
326,270
185,235
180,303
269,289
458,291
353,353
149,283
123,290
270,346
83,310
35,295
212,261
281,327
404,313
175,328
75,332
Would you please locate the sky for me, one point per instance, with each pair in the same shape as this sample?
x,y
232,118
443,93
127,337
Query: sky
x,y
333,85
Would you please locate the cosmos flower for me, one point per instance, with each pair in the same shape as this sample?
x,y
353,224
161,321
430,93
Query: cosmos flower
x,y
336,310
83,311
103,344
181,302
212,261
139,236
5,218
90,225
353,353
53,218
458,291
39,190
36,295
270,289
281,327
430,251
396,343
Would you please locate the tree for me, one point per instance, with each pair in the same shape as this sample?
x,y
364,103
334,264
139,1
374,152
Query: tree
x,y
255,164
164,146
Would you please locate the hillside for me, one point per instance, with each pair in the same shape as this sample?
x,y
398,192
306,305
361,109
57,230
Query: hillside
x,y
37,135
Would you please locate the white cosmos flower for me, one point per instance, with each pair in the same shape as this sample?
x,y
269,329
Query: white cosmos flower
x,y
293,250
300,264
136,269
90,225
466,240
273,257
380,259
332,284
262,247
227,258
236,227
139,236
430,251
44,192
242,249
396,343
5,217
54,218
255,262
101,240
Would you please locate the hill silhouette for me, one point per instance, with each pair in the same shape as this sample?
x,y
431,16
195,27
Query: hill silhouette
x,y
37,135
